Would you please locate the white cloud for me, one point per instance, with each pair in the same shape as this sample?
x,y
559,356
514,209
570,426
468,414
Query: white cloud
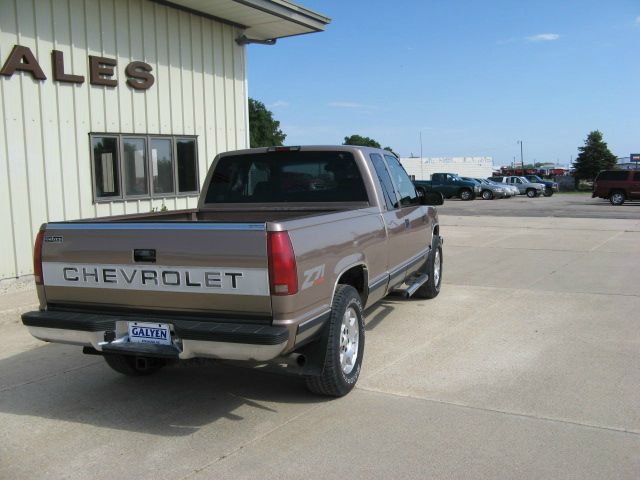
x,y
279,103
543,37
349,105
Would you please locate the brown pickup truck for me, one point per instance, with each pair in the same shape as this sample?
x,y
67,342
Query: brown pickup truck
x,y
286,249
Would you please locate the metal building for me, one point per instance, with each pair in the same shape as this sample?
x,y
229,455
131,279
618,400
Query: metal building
x,y
118,106
423,168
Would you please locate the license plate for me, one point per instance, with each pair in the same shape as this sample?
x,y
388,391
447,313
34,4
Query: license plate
x,y
155,333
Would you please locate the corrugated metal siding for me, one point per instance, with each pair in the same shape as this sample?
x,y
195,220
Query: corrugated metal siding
x,y
476,167
45,170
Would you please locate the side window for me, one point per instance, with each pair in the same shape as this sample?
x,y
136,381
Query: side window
x,y
385,181
408,194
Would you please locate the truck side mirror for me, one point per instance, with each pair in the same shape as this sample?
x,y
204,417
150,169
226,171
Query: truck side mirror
x,y
429,198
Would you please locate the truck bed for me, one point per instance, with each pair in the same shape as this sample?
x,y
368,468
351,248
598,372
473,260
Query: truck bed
x,y
236,215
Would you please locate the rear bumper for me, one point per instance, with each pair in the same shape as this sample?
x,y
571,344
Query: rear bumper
x,y
190,339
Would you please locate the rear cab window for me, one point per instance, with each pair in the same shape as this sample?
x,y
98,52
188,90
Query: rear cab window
x,y
291,176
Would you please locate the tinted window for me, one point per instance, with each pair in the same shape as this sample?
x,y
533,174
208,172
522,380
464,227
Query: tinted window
x,y
613,175
187,165
385,180
287,177
636,177
408,194
105,166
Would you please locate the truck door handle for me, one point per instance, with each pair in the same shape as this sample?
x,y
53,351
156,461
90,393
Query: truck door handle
x,y
407,223
147,255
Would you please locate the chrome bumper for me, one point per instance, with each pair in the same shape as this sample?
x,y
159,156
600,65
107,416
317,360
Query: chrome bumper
x,y
185,349
189,339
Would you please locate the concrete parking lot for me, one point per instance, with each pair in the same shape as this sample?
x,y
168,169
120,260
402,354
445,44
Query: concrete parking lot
x,y
526,366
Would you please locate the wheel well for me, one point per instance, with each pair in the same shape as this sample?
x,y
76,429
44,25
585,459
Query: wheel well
x,y
357,278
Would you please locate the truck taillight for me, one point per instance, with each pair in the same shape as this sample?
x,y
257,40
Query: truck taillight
x,y
283,274
37,258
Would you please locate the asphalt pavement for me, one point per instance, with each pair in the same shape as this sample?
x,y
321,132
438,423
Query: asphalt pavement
x,y
526,366
564,205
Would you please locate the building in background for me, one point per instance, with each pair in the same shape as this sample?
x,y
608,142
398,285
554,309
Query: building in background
x,y
423,168
112,107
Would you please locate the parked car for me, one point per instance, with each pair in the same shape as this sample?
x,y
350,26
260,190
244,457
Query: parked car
x,y
256,272
450,185
549,185
488,191
512,189
617,185
525,187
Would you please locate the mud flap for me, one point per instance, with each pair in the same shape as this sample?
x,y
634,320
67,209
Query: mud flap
x,y
315,353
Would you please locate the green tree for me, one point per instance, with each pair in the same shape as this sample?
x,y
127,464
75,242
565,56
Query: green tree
x,y
361,141
365,142
389,149
593,157
264,130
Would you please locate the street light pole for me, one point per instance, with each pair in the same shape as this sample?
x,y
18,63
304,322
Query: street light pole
x,y
421,161
521,156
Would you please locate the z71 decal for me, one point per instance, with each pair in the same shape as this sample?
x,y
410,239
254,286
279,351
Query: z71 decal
x,y
313,276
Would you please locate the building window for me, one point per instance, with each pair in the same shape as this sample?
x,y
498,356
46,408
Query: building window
x,y
143,166
134,167
161,165
187,165
105,161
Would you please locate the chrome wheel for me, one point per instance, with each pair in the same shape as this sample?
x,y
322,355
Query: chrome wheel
x,y
349,340
617,198
436,268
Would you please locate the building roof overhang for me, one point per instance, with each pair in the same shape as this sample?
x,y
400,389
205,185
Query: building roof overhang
x,y
261,20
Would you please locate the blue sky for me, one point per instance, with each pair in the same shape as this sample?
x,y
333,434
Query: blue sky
x,y
473,77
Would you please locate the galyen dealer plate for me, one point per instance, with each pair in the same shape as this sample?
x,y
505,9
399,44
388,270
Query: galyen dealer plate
x,y
155,333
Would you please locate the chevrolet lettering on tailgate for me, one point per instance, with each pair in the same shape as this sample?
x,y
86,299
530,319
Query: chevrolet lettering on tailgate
x,y
250,281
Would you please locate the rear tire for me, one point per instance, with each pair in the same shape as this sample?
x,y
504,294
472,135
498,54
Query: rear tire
x,y
617,197
431,288
345,346
128,365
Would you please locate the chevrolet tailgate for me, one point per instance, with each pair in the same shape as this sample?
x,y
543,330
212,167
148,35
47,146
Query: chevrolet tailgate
x,y
208,268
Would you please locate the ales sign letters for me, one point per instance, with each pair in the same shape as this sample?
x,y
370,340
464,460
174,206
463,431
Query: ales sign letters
x,y
101,69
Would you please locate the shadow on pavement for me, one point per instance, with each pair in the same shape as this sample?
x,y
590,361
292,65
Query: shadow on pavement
x,y
380,311
176,401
